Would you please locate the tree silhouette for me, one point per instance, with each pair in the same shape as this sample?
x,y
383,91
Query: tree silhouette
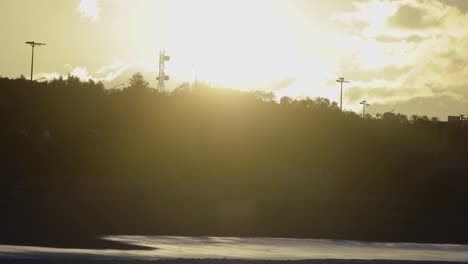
x,y
286,100
138,82
166,158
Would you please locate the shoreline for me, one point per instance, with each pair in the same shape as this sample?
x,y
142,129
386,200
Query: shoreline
x,y
223,261
71,242
227,250
99,241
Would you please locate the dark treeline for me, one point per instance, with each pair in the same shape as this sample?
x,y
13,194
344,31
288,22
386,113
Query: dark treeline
x,y
79,159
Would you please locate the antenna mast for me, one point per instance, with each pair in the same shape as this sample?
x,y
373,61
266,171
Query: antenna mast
x,y
162,76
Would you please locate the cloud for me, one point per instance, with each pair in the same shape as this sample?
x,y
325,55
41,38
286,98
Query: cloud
x,y
461,4
389,74
440,106
114,74
391,39
110,67
459,92
113,71
106,73
401,18
46,76
414,17
283,84
379,94
368,17
89,9
405,50
82,74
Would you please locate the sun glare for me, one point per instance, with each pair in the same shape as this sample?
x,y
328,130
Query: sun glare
x,y
238,44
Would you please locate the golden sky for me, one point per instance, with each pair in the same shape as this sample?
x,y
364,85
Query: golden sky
x,y
410,55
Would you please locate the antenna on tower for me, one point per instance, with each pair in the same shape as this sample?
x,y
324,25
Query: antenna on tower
x,y
162,75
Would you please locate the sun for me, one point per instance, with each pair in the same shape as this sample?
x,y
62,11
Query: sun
x,y
242,44
233,42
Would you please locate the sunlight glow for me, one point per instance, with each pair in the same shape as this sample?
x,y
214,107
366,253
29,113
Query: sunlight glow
x,y
89,9
296,48
238,44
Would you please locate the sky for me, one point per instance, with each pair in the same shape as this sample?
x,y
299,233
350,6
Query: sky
x,y
407,56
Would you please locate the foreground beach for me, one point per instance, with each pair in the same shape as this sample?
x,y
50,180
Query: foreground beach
x,y
219,261
230,250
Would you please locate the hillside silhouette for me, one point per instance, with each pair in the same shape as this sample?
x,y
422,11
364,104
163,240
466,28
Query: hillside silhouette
x,y
80,159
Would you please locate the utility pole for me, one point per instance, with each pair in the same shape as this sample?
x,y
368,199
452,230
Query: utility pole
x,y
33,45
341,80
162,76
364,106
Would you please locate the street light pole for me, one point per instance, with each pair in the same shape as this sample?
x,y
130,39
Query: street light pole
x,y
341,80
33,45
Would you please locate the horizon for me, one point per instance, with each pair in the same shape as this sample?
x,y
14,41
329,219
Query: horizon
x,y
405,55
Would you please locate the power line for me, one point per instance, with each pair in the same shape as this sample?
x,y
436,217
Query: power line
x,y
33,45
341,80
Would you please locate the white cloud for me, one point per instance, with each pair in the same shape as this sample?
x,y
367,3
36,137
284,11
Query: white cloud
x,y
47,76
82,74
104,74
108,68
89,9
112,71
116,73
421,42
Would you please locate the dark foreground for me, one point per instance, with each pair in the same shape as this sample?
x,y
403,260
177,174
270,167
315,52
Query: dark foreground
x,y
78,161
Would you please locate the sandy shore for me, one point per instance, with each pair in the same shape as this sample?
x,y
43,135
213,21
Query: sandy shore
x,y
70,241
215,261
236,250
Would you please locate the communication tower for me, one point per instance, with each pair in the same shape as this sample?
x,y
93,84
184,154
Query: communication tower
x,y
162,75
